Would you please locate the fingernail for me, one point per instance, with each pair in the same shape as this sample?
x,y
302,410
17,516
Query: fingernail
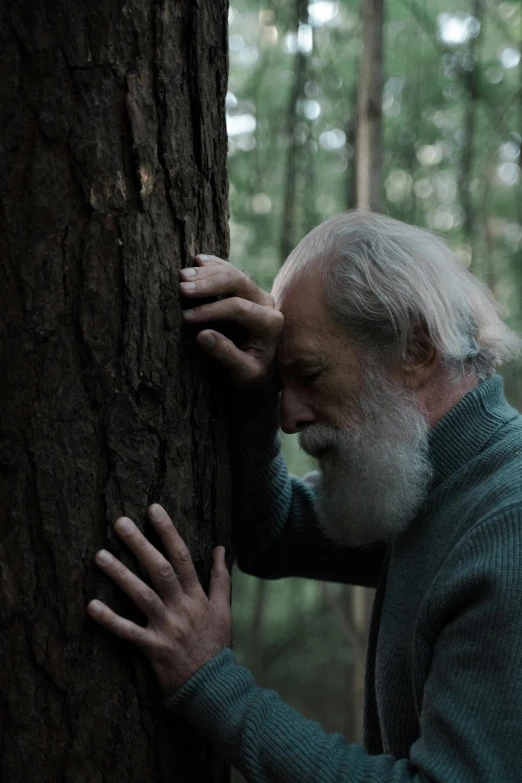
x,y
104,557
189,272
203,256
187,313
125,525
94,607
207,340
156,511
188,286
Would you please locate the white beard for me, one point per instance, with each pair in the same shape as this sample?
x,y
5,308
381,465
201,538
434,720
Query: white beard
x,y
376,473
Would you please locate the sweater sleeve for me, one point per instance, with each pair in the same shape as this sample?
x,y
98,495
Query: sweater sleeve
x,y
275,527
265,739
471,711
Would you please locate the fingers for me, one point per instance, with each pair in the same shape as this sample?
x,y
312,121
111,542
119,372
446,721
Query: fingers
x,y
117,625
177,551
245,304
260,320
143,596
204,258
219,590
245,368
214,277
160,570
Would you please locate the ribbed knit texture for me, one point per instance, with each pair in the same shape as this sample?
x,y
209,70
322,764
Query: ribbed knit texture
x,y
443,691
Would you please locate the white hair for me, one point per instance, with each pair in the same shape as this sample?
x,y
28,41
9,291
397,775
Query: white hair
x,y
386,282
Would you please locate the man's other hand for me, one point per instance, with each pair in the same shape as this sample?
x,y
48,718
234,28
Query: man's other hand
x,y
185,628
252,363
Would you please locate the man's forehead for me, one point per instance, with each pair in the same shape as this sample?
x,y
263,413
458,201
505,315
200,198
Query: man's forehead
x,y
297,348
305,335
298,295
307,329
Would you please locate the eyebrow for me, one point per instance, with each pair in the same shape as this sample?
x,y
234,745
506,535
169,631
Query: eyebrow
x,y
303,361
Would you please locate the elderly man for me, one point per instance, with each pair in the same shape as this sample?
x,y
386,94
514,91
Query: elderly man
x,y
381,350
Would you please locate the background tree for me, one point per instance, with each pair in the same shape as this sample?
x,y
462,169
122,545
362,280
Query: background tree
x,y
112,176
293,133
368,144
369,195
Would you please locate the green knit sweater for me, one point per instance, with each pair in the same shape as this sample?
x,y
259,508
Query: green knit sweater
x,y
443,690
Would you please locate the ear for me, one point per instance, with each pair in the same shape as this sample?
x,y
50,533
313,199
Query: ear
x,y
422,361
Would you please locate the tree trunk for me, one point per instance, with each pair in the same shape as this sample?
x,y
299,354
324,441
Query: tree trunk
x,y
296,93
361,610
351,140
368,191
112,176
471,80
369,108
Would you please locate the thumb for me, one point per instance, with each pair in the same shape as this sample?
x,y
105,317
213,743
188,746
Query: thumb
x,y
219,589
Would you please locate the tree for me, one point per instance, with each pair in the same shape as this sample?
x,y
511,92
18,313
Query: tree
x,y
470,78
112,176
369,107
296,94
368,177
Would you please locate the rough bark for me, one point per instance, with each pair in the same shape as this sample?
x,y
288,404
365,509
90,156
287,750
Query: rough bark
x,y
112,176
368,148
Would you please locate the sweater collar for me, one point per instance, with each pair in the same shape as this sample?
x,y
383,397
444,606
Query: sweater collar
x,y
464,431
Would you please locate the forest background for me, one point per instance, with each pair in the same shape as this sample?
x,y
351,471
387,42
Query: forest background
x,y
112,177
450,96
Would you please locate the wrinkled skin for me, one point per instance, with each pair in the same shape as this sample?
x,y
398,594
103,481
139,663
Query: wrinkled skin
x,y
185,628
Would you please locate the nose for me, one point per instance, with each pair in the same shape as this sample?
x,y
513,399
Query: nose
x,y
295,414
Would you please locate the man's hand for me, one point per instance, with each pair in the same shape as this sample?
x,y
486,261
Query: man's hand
x,y
185,629
251,364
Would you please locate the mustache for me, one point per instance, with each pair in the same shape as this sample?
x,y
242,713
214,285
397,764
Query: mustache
x,y
316,438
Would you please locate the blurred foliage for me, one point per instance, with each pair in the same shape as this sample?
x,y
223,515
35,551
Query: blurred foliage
x,y
452,105
442,65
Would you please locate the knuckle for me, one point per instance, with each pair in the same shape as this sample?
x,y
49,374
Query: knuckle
x,y
246,307
278,318
148,597
256,373
245,280
179,634
136,636
205,282
274,322
166,572
183,555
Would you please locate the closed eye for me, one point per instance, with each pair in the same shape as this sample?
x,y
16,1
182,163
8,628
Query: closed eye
x,y
312,376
